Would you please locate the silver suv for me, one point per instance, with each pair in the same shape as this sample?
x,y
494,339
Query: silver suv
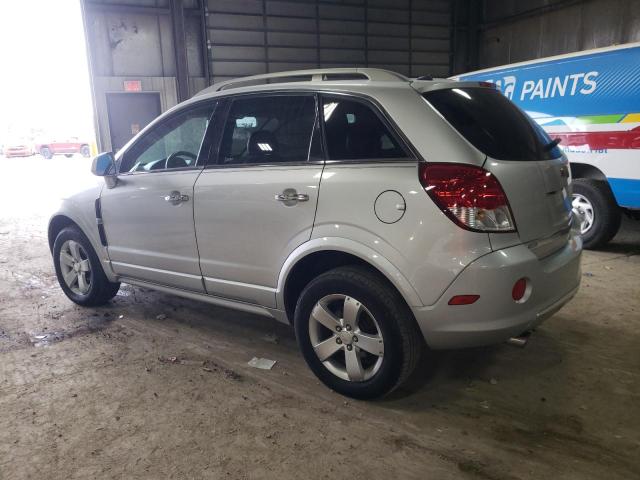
x,y
376,213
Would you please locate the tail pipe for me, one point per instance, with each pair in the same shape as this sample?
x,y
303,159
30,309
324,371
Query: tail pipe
x,y
520,341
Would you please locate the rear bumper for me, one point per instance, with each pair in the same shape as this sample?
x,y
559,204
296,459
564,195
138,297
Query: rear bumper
x,y
495,316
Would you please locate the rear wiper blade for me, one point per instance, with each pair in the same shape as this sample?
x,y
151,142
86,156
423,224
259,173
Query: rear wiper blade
x,y
552,144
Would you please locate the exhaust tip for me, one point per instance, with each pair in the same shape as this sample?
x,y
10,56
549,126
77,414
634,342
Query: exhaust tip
x,y
520,341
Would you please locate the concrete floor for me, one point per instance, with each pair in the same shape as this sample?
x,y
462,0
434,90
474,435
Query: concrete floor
x,y
96,393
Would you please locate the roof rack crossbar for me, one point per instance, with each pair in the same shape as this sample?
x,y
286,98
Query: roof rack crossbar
x,y
313,75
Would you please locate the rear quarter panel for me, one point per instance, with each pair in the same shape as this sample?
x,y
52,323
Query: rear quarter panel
x,y
424,245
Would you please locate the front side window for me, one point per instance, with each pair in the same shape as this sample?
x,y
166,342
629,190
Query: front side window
x,y
268,129
354,131
175,143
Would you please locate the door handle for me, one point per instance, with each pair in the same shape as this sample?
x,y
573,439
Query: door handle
x,y
292,197
176,198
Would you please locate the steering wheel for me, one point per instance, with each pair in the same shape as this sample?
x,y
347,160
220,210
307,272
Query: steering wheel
x,y
180,154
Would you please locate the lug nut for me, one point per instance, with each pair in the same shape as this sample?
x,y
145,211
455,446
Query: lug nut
x,y
338,341
348,328
338,328
349,347
355,339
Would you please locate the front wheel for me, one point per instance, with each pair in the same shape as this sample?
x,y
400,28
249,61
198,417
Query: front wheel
x,y
79,270
356,333
46,153
594,199
85,151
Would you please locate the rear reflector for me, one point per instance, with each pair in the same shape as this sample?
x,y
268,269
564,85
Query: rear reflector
x,y
469,195
519,289
463,299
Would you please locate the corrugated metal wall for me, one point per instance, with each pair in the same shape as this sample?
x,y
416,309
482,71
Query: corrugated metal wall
x,y
248,37
516,30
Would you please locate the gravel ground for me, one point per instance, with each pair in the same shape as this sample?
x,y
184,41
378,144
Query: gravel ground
x,y
154,386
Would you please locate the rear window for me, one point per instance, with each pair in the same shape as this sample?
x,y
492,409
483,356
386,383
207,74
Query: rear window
x,y
493,124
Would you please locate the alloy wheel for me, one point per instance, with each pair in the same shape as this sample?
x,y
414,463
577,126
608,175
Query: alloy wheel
x,y
584,206
75,267
346,338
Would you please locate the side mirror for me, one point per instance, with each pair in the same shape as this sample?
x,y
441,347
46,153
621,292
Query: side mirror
x,y
103,165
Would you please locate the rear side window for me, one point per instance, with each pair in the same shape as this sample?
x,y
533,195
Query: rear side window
x,y
493,124
268,129
354,131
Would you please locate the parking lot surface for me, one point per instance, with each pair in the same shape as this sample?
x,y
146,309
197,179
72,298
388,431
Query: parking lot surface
x,y
154,386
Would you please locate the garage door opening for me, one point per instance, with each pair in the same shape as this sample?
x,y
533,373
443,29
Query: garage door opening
x,y
46,114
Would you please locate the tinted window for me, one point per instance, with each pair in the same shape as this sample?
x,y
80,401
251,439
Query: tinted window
x,y
354,131
175,143
270,129
493,124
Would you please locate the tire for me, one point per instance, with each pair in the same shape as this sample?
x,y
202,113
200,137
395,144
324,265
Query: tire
x,y
99,290
68,155
595,195
380,309
46,153
85,151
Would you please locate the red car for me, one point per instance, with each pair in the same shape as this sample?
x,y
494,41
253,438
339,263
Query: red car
x,y
18,149
68,148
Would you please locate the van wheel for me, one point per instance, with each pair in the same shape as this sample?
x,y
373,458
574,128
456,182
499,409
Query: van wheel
x,y
79,270
602,215
356,333
85,151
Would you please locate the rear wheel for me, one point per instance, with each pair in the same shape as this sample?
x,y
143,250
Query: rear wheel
x,y
79,270
46,153
356,334
85,151
594,199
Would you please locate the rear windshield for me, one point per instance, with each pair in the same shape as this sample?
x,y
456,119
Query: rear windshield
x,y
493,124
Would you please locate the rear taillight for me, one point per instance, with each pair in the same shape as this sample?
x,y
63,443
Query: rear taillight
x,y
469,195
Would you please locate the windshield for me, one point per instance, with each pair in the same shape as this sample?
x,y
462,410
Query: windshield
x,y
493,124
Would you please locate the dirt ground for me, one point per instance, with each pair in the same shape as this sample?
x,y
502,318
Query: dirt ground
x,y
154,386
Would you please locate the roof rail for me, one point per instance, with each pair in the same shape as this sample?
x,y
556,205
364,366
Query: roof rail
x,y
311,75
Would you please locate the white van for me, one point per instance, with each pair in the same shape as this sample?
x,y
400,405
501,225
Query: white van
x,y
590,101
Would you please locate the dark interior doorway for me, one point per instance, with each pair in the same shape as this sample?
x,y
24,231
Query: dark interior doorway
x,y
129,113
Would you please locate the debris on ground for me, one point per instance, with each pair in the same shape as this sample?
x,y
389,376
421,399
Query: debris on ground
x,y
493,381
271,338
171,359
262,363
162,316
211,366
120,317
588,274
190,362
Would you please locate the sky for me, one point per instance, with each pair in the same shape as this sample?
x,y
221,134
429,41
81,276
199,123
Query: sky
x,y
44,74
